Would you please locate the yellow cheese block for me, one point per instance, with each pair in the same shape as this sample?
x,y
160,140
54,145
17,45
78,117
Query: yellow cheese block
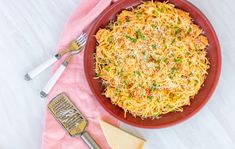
x,y
119,139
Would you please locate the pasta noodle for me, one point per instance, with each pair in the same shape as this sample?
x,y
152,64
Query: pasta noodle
x,y
152,59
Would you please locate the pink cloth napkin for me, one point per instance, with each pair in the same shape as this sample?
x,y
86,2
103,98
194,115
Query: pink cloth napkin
x,y
74,84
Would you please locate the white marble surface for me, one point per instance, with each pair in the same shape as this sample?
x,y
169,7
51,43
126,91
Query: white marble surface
x,y
29,31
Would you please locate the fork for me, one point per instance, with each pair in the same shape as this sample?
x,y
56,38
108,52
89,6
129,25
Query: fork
x,y
75,45
80,42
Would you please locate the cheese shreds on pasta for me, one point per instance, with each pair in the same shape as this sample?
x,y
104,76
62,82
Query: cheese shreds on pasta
x,y
152,59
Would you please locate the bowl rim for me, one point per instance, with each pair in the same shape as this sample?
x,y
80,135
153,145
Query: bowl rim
x,y
196,110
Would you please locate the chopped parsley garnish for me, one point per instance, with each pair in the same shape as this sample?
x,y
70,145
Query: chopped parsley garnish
x,y
160,9
165,60
108,69
178,60
159,60
191,74
181,48
154,86
127,19
156,114
157,67
150,98
165,45
190,30
177,30
154,46
140,34
187,53
110,39
154,26
137,73
173,41
131,38
98,74
138,14
115,92
121,73
173,70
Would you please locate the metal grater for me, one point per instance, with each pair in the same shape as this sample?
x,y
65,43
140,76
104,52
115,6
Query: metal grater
x,y
68,115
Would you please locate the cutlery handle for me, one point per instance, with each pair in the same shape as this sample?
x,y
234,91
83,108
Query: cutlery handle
x,y
53,80
33,73
86,137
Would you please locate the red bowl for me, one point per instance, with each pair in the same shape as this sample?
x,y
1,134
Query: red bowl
x,y
213,54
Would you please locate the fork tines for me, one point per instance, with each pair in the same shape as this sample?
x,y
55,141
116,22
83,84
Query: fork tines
x,y
81,40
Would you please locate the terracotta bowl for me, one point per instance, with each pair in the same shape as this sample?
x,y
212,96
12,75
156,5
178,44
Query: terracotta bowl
x,y
213,54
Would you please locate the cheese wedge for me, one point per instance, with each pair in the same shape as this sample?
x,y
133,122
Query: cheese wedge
x,y
119,139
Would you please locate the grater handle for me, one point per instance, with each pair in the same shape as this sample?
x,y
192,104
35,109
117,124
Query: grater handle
x,y
86,137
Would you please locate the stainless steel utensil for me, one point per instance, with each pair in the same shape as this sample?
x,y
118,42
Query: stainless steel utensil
x,y
68,115
74,46
80,42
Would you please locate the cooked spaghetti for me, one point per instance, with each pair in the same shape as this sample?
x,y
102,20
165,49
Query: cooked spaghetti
x,y
152,59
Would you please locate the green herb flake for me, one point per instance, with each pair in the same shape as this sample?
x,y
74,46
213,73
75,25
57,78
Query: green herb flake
x,y
110,39
178,60
138,14
157,67
137,73
173,41
98,74
160,9
190,30
173,70
165,60
191,74
159,60
127,19
156,114
154,26
187,53
154,46
108,69
121,73
164,42
140,85
150,98
115,92
177,30
154,86
131,38
181,48
140,34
